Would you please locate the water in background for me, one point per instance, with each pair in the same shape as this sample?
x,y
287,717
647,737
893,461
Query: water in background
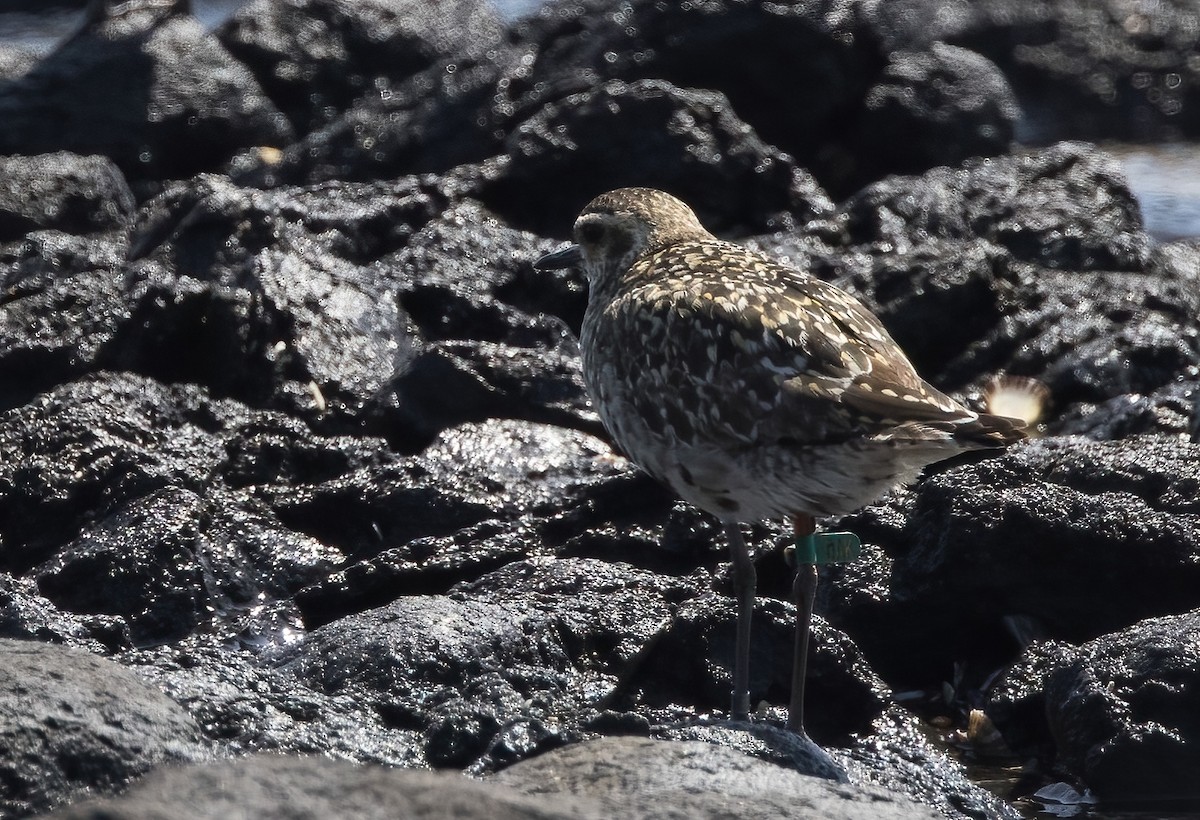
x,y
41,30
37,32
510,10
1165,178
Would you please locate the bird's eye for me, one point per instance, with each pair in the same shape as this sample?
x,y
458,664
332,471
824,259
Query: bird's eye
x,y
591,232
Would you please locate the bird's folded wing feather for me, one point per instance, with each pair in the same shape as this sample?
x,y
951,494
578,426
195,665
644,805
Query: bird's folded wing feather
x,y
789,357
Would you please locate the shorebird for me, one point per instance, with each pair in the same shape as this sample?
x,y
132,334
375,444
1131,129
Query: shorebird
x,y
751,388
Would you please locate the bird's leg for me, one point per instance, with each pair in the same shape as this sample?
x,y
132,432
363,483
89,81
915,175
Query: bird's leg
x,y
804,590
744,582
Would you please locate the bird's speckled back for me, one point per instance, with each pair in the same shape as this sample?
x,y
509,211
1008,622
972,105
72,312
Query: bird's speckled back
x,y
751,387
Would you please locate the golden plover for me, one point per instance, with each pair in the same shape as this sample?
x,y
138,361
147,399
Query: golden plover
x,y
751,388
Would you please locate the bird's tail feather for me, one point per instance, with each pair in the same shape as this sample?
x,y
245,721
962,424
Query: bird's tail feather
x,y
987,430
977,431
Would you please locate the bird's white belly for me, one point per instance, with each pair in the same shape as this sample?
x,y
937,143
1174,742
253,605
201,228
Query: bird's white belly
x,y
736,477
753,483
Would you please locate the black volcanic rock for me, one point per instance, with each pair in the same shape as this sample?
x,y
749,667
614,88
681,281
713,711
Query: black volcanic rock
x,y
113,511
89,447
1091,337
27,615
693,664
462,109
432,122
167,561
306,445
145,86
70,193
1077,536
40,258
459,668
72,723
935,107
313,57
270,298
1067,206
278,786
494,347
654,134
1082,70
506,470
15,60
1168,410
699,780
256,296
1120,711
647,132
55,324
802,73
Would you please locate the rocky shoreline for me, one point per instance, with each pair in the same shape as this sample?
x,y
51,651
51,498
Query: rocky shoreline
x,y
297,470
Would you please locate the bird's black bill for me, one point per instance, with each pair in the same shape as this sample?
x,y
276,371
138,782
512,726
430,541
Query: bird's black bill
x,y
568,257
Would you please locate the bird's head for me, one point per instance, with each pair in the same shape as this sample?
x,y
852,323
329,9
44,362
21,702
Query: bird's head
x,y
618,228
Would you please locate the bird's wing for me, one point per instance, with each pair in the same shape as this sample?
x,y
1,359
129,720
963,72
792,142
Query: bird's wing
x,y
777,354
852,347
